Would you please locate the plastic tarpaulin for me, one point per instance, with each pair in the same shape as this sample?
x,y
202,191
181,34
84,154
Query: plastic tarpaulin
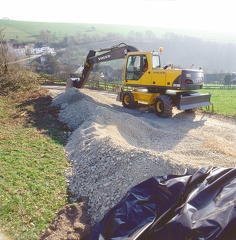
x,y
198,206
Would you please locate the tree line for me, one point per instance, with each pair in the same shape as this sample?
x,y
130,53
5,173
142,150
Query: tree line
x,y
182,51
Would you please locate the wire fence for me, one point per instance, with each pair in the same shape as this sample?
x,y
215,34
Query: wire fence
x,y
113,86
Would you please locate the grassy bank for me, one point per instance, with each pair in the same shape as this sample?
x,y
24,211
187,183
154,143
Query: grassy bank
x,y
32,165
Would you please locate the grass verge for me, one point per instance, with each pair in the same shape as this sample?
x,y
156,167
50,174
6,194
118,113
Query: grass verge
x,y
223,101
32,180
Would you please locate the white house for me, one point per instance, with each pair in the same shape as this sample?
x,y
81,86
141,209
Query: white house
x,y
20,51
29,49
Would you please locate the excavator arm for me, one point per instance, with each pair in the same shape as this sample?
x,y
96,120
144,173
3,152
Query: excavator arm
x,y
113,53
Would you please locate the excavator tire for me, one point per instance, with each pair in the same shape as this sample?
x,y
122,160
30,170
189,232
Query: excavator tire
x,y
163,106
128,100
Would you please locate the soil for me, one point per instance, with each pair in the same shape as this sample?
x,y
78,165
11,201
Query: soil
x,y
72,223
185,140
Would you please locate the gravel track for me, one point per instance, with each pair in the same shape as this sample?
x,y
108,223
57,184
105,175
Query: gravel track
x,y
112,148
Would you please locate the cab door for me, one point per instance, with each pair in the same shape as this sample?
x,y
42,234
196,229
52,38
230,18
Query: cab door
x,y
137,70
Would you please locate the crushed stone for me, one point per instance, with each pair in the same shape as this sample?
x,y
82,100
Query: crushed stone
x,y
113,149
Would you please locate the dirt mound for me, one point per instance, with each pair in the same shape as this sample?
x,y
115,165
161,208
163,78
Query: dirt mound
x,y
72,222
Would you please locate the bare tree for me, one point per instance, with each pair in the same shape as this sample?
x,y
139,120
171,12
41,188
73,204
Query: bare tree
x,y
3,54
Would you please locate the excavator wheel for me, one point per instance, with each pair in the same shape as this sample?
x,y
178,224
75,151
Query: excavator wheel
x,y
163,106
128,100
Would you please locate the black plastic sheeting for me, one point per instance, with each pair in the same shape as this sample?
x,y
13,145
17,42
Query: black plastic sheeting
x,y
197,207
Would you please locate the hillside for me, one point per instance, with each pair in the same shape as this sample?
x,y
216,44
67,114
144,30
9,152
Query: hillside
x,y
214,52
28,31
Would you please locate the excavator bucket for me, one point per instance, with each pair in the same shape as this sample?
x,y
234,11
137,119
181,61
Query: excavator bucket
x,y
194,100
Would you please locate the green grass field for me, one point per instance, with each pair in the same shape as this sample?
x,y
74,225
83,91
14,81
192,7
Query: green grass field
x,y
223,101
32,179
28,31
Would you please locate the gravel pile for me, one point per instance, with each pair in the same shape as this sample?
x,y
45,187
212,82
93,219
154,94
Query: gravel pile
x,y
108,150
113,148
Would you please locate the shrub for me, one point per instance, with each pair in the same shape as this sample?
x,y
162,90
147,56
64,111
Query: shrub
x,y
17,79
14,78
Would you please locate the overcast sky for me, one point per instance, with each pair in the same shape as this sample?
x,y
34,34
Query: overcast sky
x,y
215,15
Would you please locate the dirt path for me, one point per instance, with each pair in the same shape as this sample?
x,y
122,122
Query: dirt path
x,y
194,138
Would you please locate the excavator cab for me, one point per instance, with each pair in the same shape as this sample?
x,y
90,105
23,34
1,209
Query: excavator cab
x,y
139,68
137,65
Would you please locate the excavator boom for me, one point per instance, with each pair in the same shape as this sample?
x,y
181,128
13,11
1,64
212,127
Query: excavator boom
x,y
113,53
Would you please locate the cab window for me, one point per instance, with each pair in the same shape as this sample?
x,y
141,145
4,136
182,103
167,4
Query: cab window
x,y
133,68
145,63
156,62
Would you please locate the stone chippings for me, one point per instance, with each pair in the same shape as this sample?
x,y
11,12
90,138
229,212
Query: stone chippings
x,y
103,166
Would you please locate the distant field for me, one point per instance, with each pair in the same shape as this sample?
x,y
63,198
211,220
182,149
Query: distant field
x,y
223,101
28,31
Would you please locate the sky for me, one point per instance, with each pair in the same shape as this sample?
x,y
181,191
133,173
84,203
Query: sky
x,y
206,15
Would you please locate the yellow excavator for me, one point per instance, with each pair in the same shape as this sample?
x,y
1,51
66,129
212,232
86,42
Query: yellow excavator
x,y
160,86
